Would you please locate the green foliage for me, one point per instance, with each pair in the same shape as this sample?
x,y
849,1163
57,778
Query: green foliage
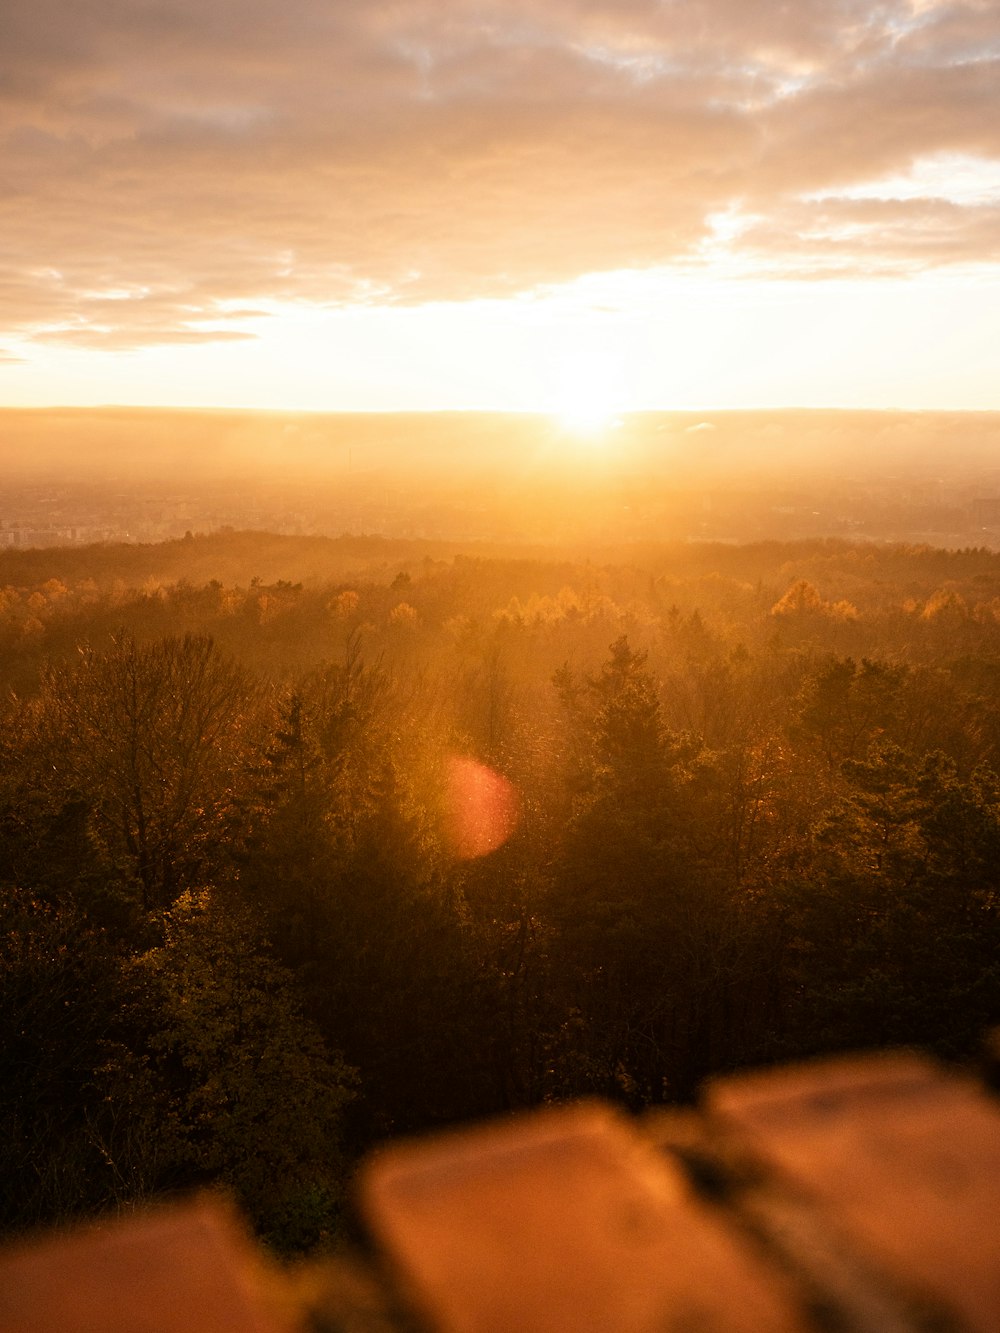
x,y
60,997
844,706
250,1096
638,901
148,736
897,933
227,882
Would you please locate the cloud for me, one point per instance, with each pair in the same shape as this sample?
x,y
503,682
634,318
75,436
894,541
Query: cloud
x,y
195,156
838,236
122,337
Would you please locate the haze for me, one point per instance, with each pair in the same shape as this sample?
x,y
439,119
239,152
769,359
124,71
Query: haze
x,y
129,474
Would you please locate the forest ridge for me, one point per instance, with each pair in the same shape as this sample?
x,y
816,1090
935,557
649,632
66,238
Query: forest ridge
x,y
757,817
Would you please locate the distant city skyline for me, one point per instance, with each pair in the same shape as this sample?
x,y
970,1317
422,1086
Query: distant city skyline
x,y
581,208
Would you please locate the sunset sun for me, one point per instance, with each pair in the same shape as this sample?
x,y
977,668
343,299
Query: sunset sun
x,y
587,390
588,415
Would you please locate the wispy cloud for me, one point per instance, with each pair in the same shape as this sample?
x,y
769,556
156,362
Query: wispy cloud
x,y
189,156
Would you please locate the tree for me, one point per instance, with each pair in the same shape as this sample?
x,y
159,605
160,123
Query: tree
x,y
151,737
896,931
345,864
249,1094
639,909
60,1002
845,706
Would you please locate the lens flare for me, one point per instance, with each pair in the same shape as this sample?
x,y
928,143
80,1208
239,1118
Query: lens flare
x,y
481,808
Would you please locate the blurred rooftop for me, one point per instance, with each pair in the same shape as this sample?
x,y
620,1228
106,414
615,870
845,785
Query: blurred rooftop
x,y
857,1195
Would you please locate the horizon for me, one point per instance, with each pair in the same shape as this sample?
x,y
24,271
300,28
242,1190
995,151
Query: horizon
x,y
541,413
441,453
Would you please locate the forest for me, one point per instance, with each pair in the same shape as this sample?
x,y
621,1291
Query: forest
x,y
306,843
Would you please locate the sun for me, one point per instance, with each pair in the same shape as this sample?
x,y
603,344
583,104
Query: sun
x,y
590,416
586,395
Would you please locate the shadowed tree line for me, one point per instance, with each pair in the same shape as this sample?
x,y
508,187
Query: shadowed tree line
x,y
240,943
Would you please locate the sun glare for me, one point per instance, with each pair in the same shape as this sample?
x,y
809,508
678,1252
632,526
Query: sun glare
x,y
588,416
587,393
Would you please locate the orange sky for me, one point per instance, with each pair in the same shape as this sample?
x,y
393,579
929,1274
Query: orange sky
x,y
318,204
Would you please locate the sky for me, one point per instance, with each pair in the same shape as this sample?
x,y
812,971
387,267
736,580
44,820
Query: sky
x,y
576,206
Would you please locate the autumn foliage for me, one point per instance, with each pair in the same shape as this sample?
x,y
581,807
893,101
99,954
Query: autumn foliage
x,y
290,865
